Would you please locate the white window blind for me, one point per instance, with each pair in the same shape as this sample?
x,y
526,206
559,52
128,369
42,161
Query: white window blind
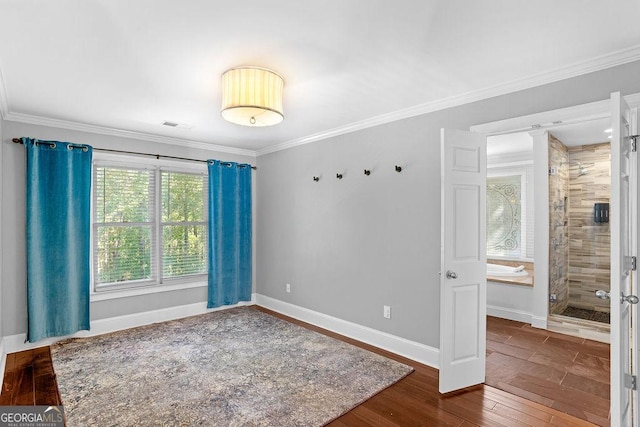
x,y
499,221
504,216
184,226
150,226
124,225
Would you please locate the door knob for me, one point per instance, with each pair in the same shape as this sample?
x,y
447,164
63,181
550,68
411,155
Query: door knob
x,y
631,299
451,274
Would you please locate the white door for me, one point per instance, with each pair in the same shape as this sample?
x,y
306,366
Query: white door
x,y
622,169
635,237
463,281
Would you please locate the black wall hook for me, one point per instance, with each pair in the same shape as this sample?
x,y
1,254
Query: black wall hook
x,y
398,168
367,172
339,175
316,178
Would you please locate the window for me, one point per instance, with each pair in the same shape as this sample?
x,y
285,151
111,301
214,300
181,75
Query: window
x,y
504,216
149,226
184,228
510,225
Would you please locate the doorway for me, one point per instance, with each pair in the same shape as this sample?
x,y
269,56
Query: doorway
x,y
577,192
580,238
559,371
623,230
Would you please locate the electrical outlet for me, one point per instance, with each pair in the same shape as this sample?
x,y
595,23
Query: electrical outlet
x,y
386,312
288,288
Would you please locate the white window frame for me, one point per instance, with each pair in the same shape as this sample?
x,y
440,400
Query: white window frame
x,y
157,284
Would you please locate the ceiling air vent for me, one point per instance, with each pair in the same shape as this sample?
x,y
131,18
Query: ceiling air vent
x,y
176,125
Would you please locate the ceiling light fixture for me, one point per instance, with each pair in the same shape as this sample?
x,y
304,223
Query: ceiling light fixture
x,y
252,96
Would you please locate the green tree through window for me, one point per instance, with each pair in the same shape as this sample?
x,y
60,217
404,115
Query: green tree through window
x,y
183,224
141,238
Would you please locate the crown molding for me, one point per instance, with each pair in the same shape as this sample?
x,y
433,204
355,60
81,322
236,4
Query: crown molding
x,y
602,62
4,106
102,130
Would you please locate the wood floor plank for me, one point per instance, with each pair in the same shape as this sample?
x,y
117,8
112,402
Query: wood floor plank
x,y
538,370
504,348
24,386
527,409
557,418
598,349
592,367
520,416
582,366
587,385
526,393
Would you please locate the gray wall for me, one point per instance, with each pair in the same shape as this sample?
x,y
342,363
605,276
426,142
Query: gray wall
x,y
347,247
2,334
350,246
13,222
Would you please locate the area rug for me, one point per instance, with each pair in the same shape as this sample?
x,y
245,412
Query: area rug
x,y
236,367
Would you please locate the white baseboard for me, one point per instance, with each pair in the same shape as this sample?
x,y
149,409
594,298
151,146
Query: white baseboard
x,y
510,314
415,351
13,343
401,346
539,322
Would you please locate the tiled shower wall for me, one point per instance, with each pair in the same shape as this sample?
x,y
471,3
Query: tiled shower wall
x,y
558,225
590,242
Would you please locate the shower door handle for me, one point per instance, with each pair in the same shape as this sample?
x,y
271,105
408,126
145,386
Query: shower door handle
x,y
603,294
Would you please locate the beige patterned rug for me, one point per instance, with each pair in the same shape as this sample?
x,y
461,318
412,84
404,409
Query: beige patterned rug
x,y
237,367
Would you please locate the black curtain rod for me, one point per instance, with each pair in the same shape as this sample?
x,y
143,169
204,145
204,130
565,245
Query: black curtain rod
x,y
157,156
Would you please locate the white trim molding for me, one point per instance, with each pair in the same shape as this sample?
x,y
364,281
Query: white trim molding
x,y
539,322
584,67
401,346
554,118
509,313
121,133
415,351
602,62
17,342
4,103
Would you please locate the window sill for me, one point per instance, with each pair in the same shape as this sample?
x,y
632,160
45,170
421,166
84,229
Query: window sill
x,y
126,293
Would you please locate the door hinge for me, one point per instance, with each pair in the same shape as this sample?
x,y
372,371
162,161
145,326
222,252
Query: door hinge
x,y
631,382
630,263
634,141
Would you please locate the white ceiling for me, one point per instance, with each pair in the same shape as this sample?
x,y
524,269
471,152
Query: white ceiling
x,y
583,133
130,65
512,143
572,135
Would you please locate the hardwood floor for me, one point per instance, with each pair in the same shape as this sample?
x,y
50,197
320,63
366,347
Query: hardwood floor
x,y
559,371
412,401
29,379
